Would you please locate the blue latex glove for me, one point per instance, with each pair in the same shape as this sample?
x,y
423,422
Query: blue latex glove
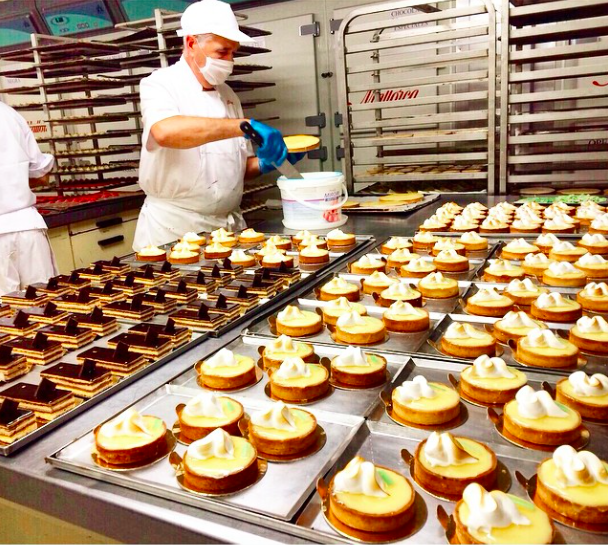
x,y
273,148
293,158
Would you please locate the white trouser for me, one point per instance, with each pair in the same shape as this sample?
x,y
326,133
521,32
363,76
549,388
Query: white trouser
x,y
26,257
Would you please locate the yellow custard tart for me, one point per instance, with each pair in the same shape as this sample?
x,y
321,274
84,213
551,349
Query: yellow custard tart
x,y
437,286
590,334
490,381
207,412
226,370
403,317
296,380
524,292
466,341
352,328
332,310
586,394
295,322
354,367
542,348
594,296
515,325
488,302
338,287
278,350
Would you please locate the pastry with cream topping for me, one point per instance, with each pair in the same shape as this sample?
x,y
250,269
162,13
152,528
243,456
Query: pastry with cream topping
x,y
497,518
424,241
130,438
185,245
518,248
313,255
251,236
424,403
558,225
545,242
312,240
267,249
446,464
338,287
488,302
217,250
221,234
473,242
490,381
594,296
586,394
395,243
278,350
371,498
591,334
282,243
451,261
337,307
353,367
554,307
467,341
434,225
403,317
515,325
566,251
574,484
352,328
377,282
462,224
368,264
526,225
536,264
300,236
418,268
594,243
493,225
226,370
242,258
437,286
599,225
542,348
183,256
399,292
339,240
564,274
534,417
593,265
220,463
295,322
503,271
194,238
400,257
524,292
276,260
298,381
206,412
151,253
282,431
448,244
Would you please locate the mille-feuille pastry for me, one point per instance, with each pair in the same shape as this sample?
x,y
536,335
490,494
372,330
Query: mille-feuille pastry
x,y
536,264
437,286
150,345
223,236
586,394
368,264
434,224
575,485
395,243
96,273
283,431
554,307
498,518
451,261
566,251
207,412
546,242
336,307
515,325
18,325
466,341
534,417
491,381
488,302
226,370
593,265
352,328
338,240
83,380
106,294
39,350
131,438
402,317
298,381
590,334
473,242
353,367
23,299
464,225
52,288
503,271
447,243
594,244
338,287
424,241
194,238
119,361
594,297
44,399
564,274
518,248
371,498
96,321
425,403
128,286
418,268
278,350
114,265
251,236
15,423
524,292
295,322
542,348
400,257
49,314
377,282
135,310
177,335
77,302
151,253
446,464
399,292
493,226
312,255
599,225
240,257
12,365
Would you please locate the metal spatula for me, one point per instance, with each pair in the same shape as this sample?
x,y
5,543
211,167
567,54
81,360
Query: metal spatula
x,y
286,169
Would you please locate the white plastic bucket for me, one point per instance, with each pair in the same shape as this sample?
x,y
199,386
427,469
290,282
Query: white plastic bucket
x,y
315,202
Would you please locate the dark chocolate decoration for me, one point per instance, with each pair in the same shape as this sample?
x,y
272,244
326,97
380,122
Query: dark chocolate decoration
x,y
98,268
9,411
169,328
257,282
148,272
108,287
45,390
84,296
30,292
182,287
121,350
130,279
97,315
203,312
72,325
242,293
200,278
137,302
50,309
5,352
160,296
41,341
151,338
166,267
215,272
115,262
87,370
227,264
52,284
222,302
74,277
21,319
283,267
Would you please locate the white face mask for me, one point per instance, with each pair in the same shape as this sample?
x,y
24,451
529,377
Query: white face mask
x,y
216,71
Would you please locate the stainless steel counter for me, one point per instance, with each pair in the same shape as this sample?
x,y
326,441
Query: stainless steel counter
x,y
131,516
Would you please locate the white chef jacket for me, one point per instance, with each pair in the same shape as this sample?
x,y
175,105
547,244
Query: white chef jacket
x,y
196,189
20,159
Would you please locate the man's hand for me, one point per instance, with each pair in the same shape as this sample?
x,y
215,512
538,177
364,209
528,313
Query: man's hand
x,y
273,150
42,181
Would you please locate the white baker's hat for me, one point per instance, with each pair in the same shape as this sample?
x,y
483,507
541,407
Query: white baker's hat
x,y
211,17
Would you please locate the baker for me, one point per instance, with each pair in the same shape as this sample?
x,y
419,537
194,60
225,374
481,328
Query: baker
x,y
194,156
26,256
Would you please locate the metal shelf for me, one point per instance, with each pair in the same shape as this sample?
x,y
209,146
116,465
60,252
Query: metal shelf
x,y
96,119
90,136
113,166
75,103
112,150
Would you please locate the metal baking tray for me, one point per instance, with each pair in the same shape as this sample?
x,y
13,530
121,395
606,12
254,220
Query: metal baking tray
x,y
481,254
393,342
383,445
498,237
358,402
33,377
280,493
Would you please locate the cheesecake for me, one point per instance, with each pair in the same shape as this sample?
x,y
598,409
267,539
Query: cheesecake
x,y
338,287
298,381
524,292
515,325
564,274
466,341
594,297
586,394
591,335
503,271
352,328
335,308
403,317
488,302
490,381
518,249
353,367
554,307
226,370
542,348
295,322
437,286
207,412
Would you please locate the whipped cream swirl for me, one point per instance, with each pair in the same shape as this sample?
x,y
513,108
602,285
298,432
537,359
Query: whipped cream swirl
x,y
535,405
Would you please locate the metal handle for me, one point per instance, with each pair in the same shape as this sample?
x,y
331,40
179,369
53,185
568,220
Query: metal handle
x,y
252,133
103,224
111,240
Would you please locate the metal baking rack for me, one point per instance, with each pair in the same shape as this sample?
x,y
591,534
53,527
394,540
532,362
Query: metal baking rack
x,y
477,254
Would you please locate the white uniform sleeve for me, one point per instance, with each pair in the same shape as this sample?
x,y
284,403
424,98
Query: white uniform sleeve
x,y
39,163
157,104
